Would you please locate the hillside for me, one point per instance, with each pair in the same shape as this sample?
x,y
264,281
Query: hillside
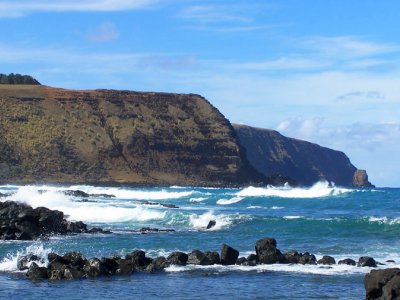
x,y
106,136
270,152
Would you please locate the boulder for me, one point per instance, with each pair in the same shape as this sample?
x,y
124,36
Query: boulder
x,y
158,264
307,259
229,255
24,261
94,268
125,267
292,257
267,253
76,193
36,273
71,273
110,264
347,261
178,258
366,261
214,257
75,259
377,285
252,260
139,259
196,257
326,260
211,224
242,261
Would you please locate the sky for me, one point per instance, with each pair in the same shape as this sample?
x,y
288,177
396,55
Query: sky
x,y
327,71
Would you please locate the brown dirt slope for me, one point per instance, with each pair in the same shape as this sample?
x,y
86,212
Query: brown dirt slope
x,y
106,136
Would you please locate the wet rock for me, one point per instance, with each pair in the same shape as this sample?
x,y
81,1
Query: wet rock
x,y
366,261
214,257
252,260
125,267
196,257
242,261
76,193
75,259
158,264
228,255
94,268
76,227
36,273
96,230
178,258
211,224
110,264
71,273
103,195
379,285
347,261
267,253
308,259
139,259
292,257
326,260
145,230
24,261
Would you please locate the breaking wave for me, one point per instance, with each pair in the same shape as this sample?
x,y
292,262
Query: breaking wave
x,y
318,190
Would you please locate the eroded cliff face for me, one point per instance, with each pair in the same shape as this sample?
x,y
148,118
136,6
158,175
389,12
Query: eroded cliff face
x,y
270,152
56,135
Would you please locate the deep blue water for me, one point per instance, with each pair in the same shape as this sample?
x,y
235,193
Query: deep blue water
x,y
321,220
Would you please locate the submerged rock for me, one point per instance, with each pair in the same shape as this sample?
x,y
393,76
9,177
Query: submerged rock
x,y
211,224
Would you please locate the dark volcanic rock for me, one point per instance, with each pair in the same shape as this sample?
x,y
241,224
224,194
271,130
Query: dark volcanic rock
x,y
158,264
292,257
382,284
125,267
76,193
347,261
307,259
196,257
23,262
252,260
211,224
19,221
145,230
178,258
214,257
360,179
267,253
94,268
366,261
242,261
139,259
228,255
36,273
326,260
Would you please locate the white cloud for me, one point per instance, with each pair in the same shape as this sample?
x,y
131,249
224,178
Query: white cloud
x,y
103,33
283,63
213,14
23,7
348,47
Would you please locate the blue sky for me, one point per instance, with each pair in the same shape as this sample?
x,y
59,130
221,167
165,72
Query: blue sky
x,y
327,71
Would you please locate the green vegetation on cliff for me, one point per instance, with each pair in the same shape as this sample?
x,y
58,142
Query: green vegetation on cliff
x,y
17,79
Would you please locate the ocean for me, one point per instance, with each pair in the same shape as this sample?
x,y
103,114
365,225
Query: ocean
x,y
322,220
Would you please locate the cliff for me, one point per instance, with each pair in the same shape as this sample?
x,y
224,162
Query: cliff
x,y
106,136
270,152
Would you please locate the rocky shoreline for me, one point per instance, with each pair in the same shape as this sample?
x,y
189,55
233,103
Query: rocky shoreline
x,y
19,221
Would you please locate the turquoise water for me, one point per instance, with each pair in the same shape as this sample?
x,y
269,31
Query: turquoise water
x,y
322,220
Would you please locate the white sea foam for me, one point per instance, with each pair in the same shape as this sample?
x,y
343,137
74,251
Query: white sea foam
x,y
320,189
253,207
99,212
290,268
384,220
293,217
277,207
197,200
229,201
9,263
201,221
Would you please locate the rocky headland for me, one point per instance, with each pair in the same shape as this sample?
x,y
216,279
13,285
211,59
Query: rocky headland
x,y
272,153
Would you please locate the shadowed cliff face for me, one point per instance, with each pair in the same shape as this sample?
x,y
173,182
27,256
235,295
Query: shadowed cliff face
x,y
57,135
270,152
